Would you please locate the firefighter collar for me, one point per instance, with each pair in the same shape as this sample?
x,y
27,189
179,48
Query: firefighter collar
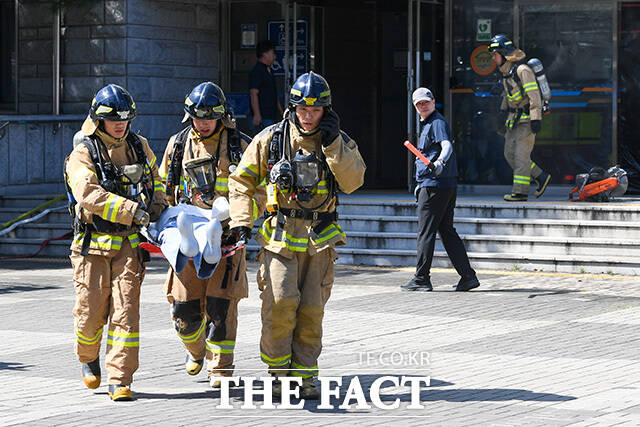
x,y
196,137
109,140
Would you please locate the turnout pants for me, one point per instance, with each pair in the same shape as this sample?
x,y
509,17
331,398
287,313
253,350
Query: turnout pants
x,y
205,311
435,213
518,145
107,290
294,293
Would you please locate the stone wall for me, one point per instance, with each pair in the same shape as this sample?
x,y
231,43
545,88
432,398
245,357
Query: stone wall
x,y
158,50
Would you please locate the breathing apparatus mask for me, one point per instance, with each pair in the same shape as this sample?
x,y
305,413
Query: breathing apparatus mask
x,y
300,174
202,174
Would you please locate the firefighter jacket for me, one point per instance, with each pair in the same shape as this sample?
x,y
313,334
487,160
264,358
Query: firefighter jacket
x,y
196,147
93,199
521,95
345,163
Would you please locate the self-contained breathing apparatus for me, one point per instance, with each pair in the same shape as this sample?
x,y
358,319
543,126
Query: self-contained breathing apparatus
x,y
300,176
133,181
202,171
541,79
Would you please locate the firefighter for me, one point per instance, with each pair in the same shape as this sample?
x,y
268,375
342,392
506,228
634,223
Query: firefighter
x,y
305,158
205,310
522,100
114,188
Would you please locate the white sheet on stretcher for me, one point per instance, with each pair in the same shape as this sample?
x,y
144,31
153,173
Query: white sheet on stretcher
x,y
166,235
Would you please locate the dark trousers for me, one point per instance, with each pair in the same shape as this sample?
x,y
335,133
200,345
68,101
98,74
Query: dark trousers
x,y
435,213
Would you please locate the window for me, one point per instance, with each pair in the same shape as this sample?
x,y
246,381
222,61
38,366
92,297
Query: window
x,y
8,56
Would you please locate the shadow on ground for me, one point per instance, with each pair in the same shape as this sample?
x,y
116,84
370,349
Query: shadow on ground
x,y
12,289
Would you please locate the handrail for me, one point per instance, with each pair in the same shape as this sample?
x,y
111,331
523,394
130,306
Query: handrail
x,y
43,117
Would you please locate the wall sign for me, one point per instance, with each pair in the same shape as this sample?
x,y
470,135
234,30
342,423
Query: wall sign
x,y
483,30
482,61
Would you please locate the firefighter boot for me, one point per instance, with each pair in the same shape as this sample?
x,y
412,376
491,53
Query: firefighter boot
x,y
192,366
91,374
542,180
276,387
120,392
515,197
309,389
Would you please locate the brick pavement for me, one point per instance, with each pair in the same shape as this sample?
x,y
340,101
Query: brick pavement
x,y
523,349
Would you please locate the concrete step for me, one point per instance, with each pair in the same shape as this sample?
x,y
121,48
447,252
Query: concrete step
x,y
21,247
42,230
504,243
496,209
497,226
498,261
27,201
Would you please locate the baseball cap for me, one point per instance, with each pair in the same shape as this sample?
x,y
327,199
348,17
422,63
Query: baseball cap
x,y
422,94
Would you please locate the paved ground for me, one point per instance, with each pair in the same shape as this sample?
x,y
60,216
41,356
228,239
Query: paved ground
x,y
524,349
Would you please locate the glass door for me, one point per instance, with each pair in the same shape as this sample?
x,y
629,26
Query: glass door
x,y
574,42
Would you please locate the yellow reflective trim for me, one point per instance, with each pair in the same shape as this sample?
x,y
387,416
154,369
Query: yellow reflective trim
x,y
249,169
325,93
194,337
310,101
124,334
103,109
188,102
83,339
276,361
123,343
296,92
533,165
218,108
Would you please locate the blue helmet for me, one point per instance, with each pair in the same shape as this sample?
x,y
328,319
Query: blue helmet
x,y
310,90
206,102
113,103
500,43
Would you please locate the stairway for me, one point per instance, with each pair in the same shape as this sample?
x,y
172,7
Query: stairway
x,y
552,236
27,239
555,236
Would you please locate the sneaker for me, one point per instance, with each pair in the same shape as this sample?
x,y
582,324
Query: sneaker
x,y
542,180
120,392
192,366
91,374
515,197
466,284
414,285
309,389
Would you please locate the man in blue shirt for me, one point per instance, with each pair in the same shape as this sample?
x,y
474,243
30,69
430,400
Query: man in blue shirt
x,y
436,192
263,93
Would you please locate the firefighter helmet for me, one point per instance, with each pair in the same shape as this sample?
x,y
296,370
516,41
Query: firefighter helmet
x,y
310,90
113,103
206,102
500,43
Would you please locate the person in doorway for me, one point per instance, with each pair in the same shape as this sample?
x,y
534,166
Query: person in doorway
x,y
522,100
305,157
265,105
114,188
436,192
196,167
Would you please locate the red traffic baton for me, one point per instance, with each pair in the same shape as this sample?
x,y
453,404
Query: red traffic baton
x,y
419,155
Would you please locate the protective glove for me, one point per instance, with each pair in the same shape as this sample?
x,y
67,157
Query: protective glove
x,y
330,127
141,217
438,166
536,125
238,234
